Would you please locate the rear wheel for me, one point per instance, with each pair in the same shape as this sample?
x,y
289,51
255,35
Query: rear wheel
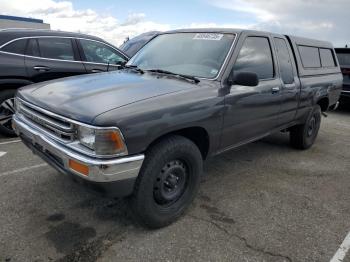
x,y
303,136
7,109
168,182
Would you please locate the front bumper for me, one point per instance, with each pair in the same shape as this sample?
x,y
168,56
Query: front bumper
x,y
115,177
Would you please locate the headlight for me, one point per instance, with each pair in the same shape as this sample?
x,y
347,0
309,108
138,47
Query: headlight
x,y
102,141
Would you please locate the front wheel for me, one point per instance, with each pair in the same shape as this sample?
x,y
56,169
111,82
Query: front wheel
x,y
303,136
7,109
168,182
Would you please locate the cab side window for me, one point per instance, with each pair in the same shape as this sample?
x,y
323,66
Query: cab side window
x,y
310,56
285,62
327,59
256,56
100,53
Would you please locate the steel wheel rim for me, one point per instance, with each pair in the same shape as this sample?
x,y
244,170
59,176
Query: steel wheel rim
x,y
312,126
171,182
7,110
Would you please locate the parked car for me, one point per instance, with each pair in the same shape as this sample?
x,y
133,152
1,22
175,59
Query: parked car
x,y
133,45
32,56
343,55
188,95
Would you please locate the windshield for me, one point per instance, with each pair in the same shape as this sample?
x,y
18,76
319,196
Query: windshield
x,y
193,54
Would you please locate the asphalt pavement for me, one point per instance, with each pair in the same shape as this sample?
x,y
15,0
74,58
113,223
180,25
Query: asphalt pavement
x,y
262,202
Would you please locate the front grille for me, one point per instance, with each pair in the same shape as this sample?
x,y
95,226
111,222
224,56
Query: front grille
x,y
54,125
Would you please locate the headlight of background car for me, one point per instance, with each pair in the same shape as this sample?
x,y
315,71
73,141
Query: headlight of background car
x,y
102,141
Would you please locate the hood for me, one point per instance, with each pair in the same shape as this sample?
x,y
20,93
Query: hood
x,y
82,98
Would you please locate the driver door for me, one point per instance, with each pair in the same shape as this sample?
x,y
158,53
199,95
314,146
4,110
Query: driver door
x,y
252,112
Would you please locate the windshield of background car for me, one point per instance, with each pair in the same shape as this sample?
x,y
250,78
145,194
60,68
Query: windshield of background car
x,y
133,45
194,54
344,59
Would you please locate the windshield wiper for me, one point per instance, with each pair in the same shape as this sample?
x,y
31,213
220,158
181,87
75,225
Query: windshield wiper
x,y
135,68
161,71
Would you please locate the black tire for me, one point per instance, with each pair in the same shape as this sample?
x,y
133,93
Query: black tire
x,y
152,204
5,112
303,136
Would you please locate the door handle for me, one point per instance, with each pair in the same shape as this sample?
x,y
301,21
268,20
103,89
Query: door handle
x,y
275,89
41,68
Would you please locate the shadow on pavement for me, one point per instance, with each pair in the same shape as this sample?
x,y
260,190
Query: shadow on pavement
x,y
344,107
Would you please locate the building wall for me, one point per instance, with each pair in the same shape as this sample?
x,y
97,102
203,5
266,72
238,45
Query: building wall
x,y
6,23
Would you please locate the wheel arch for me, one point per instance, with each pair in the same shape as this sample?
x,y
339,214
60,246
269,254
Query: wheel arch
x,y
323,102
198,135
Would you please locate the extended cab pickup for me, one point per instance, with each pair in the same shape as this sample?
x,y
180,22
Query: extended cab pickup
x,y
144,132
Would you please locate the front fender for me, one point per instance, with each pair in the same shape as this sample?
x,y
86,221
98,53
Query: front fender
x,y
143,122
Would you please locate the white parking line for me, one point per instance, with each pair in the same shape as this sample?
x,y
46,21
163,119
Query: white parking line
x,y
22,170
343,249
10,142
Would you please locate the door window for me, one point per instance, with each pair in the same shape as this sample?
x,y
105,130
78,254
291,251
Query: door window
x,y
256,56
100,53
56,48
285,61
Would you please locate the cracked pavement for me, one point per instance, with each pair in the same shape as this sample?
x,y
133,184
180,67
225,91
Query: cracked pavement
x,y
262,202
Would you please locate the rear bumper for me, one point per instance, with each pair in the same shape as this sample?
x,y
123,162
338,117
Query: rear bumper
x,y
113,177
345,94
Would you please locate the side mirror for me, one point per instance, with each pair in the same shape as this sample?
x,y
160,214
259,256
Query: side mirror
x,y
243,79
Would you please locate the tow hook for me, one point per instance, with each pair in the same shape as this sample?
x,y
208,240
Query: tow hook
x,y
324,114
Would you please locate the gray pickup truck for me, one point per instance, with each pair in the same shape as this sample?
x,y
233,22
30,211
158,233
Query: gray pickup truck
x,y
187,95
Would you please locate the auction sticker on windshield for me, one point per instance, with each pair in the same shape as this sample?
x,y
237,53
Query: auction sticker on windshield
x,y
208,36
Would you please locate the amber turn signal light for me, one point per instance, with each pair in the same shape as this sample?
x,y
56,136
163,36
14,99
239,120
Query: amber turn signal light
x,y
116,139
78,167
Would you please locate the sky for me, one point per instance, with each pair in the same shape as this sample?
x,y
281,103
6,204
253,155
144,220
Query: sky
x,y
115,20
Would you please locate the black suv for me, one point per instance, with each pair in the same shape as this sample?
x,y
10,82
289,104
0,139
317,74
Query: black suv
x,y
32,56
344,62
133,45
